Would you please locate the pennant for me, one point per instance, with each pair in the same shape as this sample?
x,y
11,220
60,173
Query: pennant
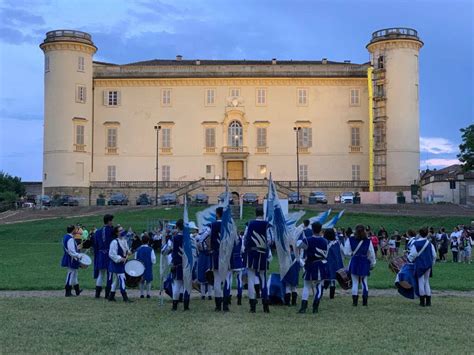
x,y
187,252
228,236
332,223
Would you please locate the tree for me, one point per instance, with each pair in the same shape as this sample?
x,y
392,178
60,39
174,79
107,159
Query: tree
x,y
11,188
466,148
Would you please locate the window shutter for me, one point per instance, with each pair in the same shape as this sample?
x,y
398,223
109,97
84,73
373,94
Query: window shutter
x,y
119,98
84,93
310,137
106,98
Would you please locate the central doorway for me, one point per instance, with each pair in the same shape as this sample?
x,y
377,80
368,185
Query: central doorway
x,y
235,170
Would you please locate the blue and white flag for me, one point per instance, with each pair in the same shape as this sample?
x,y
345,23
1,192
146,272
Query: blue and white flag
x,y
187,252
228,236
291,219
332,222
280,233
206,217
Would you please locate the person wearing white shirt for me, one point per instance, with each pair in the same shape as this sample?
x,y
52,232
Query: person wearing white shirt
x,y
70,260
118,253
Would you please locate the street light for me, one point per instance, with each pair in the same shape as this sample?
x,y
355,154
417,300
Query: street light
x,y
297,131
157,129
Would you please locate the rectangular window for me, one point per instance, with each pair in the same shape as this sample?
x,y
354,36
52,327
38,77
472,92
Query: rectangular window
x,y
46,63
355,136
111,98
80,64
210,139
166,97
165,173
416,92
79,138
355,100
303,172
380,62
261,96
235,92
166,138
111,173
210,96
208,169
261,139
305,137
379,135
81,94
302,97
356,172
111,140
262,170
379,90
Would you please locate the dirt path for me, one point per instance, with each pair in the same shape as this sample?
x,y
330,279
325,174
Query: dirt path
x,y
155,294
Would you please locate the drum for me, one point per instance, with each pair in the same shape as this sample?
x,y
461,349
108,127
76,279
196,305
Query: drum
x,y
396,264
406,281
134,270
344,278
85,260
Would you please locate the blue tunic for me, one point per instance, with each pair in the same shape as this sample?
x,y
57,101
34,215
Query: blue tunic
x,y
236,261
102,239
276,289
144,255
215,244
292,276
117,268
334,259
359,264
203,264
177,257
256,247
315,263
423,262
67,260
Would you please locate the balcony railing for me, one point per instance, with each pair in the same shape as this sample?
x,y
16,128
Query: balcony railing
x,y
166,150
261,150
355,148
394,32
111,150
209,149
303,150
79,147
230,149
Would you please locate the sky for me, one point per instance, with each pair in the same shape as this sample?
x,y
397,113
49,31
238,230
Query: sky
x,y
128,31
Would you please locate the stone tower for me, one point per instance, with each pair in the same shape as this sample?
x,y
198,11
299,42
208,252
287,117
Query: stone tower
x,y
68,111
394,56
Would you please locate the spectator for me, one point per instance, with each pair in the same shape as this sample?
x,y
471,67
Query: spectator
x,y
455,249
443,245
398,242
375,243
392,247
467,243
384,247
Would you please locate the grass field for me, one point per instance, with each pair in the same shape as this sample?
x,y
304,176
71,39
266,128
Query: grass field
x,y
85,325
30,252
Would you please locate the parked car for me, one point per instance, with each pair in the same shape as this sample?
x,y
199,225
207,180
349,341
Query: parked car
x,y
169,199
220,198
293,198
250,198
201,199
68,200
317,197
347,197
45,200
118,198
144,200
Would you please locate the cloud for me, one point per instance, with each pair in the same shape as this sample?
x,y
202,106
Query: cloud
x,y
19,17
438,162
437,145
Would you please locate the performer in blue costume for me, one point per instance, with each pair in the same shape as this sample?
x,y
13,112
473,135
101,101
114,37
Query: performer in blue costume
x,y
70,260
146,255
334,259
118,254
291,280
101,243
236,267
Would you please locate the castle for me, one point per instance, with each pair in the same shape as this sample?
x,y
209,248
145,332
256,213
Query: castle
x,y
107,124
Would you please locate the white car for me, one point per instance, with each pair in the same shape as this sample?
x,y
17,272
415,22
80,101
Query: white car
x,y
347,197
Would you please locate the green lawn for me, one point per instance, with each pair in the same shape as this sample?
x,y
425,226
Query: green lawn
x,y
30,252
86,325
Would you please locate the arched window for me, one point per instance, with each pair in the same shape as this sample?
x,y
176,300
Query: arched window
x,y
235,134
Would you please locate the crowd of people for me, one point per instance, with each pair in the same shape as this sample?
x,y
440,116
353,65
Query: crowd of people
x,y
318,253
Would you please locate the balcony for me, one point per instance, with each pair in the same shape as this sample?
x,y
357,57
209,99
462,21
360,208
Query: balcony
x,y
261,150
355,149
69,36
303,150
209,150
166,150
79,147
235,152
395,33
111,150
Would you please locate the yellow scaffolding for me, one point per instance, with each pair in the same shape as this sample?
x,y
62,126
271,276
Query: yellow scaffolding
x,y
371,128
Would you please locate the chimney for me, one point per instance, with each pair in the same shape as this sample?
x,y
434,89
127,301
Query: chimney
x,y
325,61
179,58
274,61
198,62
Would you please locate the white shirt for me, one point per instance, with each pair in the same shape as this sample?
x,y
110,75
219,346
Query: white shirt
x,y
370,253
153,255
71,248
113,251
414,253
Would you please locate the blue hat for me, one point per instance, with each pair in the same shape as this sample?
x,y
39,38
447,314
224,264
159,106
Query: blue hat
x,y
123,233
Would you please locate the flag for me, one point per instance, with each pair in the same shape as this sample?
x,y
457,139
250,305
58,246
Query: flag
x,y
332,222
228,236
291,220
187,252
206,216
280,233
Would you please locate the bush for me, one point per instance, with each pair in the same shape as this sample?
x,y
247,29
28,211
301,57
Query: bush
x,y
7,200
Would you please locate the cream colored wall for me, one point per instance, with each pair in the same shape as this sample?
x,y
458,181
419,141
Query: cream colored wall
x,y
59,158
328,110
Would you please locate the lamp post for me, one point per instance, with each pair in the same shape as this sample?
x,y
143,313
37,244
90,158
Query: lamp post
x,y
157,129
297,131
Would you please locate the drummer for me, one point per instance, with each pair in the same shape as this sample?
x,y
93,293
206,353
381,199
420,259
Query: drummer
x,y
118,254
147,256
71,260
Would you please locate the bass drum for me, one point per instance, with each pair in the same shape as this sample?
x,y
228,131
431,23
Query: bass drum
x,y
344,278
134,270
85,260
396,264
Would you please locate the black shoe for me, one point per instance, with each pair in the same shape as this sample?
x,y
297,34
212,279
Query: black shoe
x,y
428,301
98,290
355,300
226,303
294,298
125,298
186,304
68,291
332,292
77,289
304,307
181,296
229,300
112,296
209,298
266,308
175,305
148,296
239,300
253,306
218,301
257,290
364,300
287,299
141,296
315,306
107,292
422,301
203,298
